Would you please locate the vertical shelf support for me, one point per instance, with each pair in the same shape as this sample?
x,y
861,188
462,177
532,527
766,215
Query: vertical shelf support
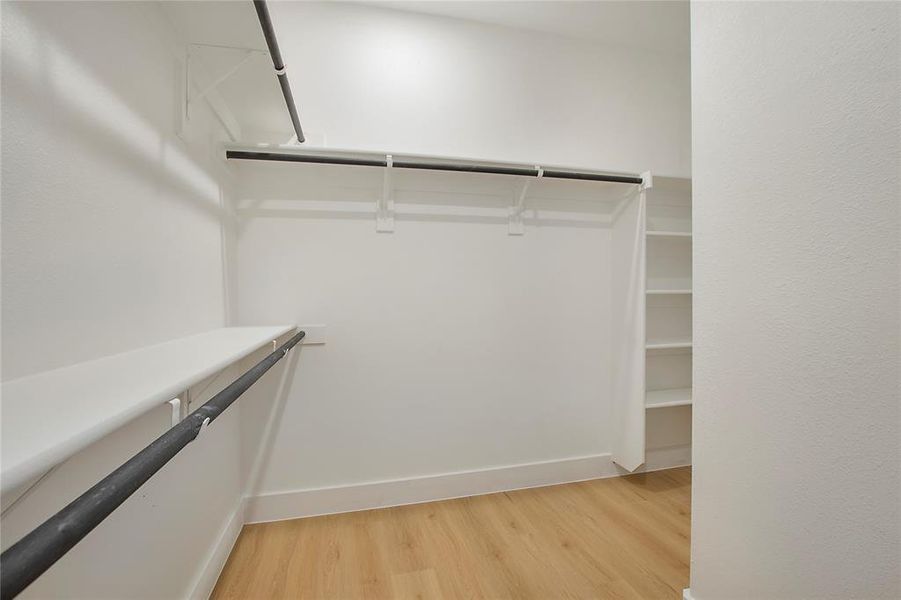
x,y
647,181
515,224
384,209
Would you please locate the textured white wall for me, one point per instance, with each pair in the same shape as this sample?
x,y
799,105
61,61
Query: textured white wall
x,y
378,79
111,224
796,276
111,240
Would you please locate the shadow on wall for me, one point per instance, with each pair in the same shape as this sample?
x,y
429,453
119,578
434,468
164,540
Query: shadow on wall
x,y
45,76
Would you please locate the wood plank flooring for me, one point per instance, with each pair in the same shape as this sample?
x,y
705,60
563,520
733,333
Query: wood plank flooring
x,y
624,537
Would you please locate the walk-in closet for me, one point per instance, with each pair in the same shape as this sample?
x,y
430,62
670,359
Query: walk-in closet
x,y
383,299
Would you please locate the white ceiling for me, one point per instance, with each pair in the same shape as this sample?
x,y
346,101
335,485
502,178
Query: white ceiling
x,y
659,25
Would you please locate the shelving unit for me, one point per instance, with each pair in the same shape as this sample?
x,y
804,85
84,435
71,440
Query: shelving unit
x,y
50,416
668,308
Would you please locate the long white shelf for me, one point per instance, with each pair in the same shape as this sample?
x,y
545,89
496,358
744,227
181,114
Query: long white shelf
x,y
668,345
50,416
686,235
667,398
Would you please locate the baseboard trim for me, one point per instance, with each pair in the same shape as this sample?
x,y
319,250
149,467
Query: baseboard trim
x,y
667,457
311,502
208,575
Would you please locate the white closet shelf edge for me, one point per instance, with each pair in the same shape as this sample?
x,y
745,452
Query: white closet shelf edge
x,y
670,234
49,416
668,398
668,345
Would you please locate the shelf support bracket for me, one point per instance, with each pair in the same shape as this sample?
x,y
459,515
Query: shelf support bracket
x,y
515,225
207,90
384,208
647,181
175,403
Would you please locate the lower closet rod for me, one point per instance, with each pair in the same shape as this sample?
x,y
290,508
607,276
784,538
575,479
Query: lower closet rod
x,y
434,166
28,558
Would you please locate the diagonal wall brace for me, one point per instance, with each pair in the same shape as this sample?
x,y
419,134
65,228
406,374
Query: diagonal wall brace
x,y
194,75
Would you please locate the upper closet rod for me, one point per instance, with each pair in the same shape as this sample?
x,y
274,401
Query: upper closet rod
x,y
278,63
412,164
27,559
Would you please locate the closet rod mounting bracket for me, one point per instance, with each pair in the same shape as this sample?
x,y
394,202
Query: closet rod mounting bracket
x,y
515,225
175,403
384,208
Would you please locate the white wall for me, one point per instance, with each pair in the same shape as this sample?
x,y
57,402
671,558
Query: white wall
x,y
377,79
111,224
451,345
796,133
111,239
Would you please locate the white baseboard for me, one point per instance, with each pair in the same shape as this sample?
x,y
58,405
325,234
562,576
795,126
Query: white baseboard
x,y
397,492
206,577
666,458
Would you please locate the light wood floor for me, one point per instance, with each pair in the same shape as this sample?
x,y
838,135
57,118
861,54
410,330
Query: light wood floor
x,y
624,537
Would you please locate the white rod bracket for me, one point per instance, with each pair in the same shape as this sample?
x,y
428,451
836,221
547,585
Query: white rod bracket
x,y
647,181
175,403
515,225
384,208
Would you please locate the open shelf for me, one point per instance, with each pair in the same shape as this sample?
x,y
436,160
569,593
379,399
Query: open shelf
x,y
668,370
50,416
668,264
667,398
683,235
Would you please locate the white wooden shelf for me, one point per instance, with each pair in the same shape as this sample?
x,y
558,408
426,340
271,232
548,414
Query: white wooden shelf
x,y
50,416
668,398
665,292
668,345
683,235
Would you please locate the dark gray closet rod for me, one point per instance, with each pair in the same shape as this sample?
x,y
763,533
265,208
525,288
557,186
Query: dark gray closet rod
x,y
27,559
279,64
411,164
